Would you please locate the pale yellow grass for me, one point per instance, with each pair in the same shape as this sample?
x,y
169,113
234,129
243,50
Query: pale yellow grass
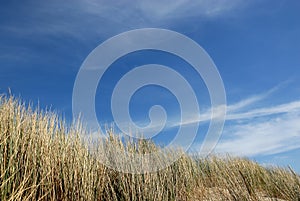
x,y
43,159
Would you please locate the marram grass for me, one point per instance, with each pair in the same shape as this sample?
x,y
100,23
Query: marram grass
x,y
43,159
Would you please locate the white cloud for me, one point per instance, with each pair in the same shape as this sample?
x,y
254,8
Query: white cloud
x,y
267,111
271,135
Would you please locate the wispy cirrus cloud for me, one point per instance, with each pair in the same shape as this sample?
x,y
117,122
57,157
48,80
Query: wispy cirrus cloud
x,y
80,19
240,110
290,107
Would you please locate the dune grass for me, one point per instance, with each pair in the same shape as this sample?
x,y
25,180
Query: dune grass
x,y
43,159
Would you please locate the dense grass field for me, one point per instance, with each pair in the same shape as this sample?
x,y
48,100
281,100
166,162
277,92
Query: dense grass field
x,y
43,159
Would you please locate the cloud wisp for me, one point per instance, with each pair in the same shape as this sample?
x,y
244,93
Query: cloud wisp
x,y
239,110
81,19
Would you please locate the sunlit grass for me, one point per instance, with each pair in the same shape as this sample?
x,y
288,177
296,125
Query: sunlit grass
x,y
43,159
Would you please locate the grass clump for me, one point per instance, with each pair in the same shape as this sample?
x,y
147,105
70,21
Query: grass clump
x,y
42,159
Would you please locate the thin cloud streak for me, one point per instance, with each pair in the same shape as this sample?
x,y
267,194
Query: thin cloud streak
x,y
284,108
236,110
267,111
251,100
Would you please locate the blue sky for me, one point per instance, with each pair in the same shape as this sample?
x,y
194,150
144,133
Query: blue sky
x,y
255,46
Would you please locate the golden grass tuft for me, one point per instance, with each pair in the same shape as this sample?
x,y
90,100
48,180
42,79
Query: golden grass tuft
x,y
42,159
